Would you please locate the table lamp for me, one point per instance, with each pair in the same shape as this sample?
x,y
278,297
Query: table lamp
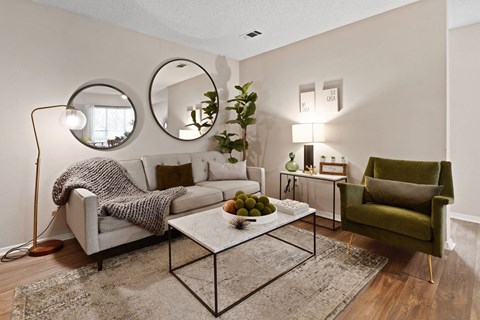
x,y
308,133
74,120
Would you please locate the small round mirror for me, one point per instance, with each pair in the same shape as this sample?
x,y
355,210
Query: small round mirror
x,y
111,116
183,99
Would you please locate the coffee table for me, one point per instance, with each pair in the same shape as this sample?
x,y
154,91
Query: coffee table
x,y
214,233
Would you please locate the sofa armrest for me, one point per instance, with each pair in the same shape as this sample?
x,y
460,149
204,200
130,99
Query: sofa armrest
x,y
82,218
257,174
350,195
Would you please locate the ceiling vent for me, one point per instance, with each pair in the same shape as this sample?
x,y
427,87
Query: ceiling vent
x,y
251,34
181,65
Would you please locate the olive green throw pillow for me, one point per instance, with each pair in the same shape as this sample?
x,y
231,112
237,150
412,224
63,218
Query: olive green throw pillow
x,y
413,196
174,176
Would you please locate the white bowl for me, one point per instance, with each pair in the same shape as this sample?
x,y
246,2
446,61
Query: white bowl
x,y
258,220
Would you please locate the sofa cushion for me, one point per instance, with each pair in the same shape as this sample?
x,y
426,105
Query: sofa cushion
x,y
421,172
200,162
227,171
398,220
109,223
413,196
150,164
229,187
174,176
135,170
196,197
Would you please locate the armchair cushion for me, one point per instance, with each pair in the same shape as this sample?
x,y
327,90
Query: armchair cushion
x,y
422,172
413,196
397,220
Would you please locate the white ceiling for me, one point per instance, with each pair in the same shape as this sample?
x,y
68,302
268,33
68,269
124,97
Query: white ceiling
x,y
216,25
463,12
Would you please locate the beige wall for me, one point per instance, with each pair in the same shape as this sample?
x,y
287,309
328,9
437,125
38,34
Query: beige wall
x,y
393,69
464,83
45,56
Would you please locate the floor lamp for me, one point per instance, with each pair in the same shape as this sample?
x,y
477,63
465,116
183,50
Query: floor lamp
x,y
74,120
308,133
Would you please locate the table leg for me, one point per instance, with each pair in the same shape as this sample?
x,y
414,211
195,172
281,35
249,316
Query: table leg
x,y
333,208
215,288
169,248
314,233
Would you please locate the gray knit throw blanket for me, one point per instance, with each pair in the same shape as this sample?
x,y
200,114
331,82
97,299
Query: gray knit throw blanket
x,y
117,194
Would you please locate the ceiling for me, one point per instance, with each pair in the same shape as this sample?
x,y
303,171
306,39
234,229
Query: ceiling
x,y
216,26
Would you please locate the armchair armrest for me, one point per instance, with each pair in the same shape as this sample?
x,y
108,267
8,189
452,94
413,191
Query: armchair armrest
x,y
82,219
350,195
438,220
257,174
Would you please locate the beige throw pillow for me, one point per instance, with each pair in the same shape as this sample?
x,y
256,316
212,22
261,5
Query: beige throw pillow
x,y
227,171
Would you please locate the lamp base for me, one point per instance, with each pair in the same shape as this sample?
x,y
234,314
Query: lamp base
x,y
45,248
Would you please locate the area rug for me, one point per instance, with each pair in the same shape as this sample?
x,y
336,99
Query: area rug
x,y
138,285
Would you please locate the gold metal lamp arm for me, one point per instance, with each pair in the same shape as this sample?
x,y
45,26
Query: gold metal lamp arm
x,y
34,250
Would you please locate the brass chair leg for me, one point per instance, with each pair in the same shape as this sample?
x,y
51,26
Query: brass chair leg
x,y
429,257
350,243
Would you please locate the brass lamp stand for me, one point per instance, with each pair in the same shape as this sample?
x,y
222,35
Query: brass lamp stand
x,y
74,120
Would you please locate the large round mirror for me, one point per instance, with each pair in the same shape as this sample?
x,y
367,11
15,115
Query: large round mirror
x,y
111,116
183,99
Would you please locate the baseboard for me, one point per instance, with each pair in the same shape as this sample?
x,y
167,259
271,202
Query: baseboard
x,y
327,215
465,217
62,237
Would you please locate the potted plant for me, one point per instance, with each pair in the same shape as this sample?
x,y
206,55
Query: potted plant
x,y
210,111
227,145
332,159
323,158
245,109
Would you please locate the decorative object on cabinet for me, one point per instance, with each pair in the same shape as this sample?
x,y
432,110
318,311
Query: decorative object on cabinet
x,y
74,120
333,168
291,165
110,113
245,109
178,87
308,133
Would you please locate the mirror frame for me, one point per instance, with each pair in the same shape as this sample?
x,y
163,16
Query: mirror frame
x,y
78,91
151,104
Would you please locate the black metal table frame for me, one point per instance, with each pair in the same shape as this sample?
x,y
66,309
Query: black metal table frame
x,y
215,310
334,183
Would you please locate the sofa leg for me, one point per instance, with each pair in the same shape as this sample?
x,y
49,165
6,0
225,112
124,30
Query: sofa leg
x,y
99,257
429,258
350,243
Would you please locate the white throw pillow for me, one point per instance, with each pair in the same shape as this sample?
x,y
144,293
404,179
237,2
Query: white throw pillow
x,y
227,171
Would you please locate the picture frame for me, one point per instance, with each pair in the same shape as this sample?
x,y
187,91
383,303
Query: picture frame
x,y
339,169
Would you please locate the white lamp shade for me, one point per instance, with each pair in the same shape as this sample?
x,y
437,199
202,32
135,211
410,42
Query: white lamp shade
x,y
308,132
73,119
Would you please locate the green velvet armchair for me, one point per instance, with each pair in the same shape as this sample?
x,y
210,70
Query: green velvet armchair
x,y
384,206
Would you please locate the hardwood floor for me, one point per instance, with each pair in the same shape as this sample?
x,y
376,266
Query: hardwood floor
x,y
400,291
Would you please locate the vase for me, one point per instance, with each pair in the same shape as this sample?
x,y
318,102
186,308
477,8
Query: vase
x,y
291,165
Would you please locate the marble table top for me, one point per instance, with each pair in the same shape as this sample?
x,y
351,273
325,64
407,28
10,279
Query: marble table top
x,y
215,233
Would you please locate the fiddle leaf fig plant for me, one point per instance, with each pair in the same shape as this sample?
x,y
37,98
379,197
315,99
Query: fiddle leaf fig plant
x,y
227,145
210,111
245,108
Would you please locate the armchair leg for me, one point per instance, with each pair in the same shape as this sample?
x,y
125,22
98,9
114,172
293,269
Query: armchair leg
x,y
429,257
350,243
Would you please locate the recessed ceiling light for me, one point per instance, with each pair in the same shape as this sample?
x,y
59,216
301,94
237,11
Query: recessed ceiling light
x,y
124,96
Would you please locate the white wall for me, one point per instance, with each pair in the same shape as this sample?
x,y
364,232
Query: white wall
x,y
464,83
393,69
46,55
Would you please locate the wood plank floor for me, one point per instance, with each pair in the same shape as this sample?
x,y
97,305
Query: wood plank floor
x,y
399,291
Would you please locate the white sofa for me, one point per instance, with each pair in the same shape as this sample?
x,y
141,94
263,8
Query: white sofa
x,y
96,234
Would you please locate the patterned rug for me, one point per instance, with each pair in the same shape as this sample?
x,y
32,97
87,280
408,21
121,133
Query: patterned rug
x,y
138,285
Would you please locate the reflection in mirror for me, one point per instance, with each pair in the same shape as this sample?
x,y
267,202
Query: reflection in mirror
x,y
183,99
110,113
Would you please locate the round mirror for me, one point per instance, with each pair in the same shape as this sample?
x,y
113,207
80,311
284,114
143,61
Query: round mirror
x,y
183,99
111,116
